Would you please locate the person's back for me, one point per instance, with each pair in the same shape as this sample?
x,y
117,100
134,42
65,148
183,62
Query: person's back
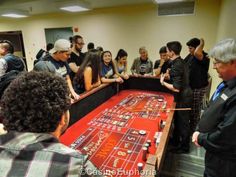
x,y
12,62
6,79
34,123
38,154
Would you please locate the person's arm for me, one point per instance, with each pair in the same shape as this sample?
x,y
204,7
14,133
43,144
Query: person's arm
x,y
91,170
98,83
198,53
157,67
3,66
133,68
74,68
88,79
72,91
115,66
176,77
167,85
106,80
150,68
223,138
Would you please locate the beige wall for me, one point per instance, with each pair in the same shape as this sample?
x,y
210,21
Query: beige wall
x,y
124,27
226,29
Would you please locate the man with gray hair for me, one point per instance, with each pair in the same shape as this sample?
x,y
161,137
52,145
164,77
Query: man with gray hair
x,y
142,65
217,128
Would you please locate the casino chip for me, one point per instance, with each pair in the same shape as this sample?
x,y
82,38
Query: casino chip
x,y
142,132
129,151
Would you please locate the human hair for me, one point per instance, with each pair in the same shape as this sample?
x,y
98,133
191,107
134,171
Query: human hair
x,y
92,59
49,46
174,46
224,51
90,46
103,53
194,42
162,50
35,102
99,48
121,53
75,38
142,48
8,46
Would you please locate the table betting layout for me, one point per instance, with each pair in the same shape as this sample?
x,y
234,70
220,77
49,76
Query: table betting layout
x,y
121,134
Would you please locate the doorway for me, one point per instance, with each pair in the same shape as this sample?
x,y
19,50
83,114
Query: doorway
x,y
16,39
53,34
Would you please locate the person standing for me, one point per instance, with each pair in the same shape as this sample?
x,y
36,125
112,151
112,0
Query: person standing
x,y
77,56
179,84
198,66
58,57
217,127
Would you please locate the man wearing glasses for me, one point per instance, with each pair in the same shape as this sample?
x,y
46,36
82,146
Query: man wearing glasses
x,y
217,127
76,57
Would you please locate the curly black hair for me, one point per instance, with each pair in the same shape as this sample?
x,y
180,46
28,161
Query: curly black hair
x,y
35,102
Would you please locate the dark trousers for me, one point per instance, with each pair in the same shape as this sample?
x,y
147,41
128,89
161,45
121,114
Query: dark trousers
x,y
181,134
217,167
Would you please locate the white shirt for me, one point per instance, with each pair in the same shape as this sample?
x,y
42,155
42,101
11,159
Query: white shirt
x,y
3,66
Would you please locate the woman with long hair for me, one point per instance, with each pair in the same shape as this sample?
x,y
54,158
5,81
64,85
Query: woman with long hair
x,y
120,63
108,74
88,75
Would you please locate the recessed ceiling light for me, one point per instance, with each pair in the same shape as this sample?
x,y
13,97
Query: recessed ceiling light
x,y
75,8
169,1
13,15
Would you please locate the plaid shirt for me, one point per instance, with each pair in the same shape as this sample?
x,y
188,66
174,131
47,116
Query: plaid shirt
x,y
40,155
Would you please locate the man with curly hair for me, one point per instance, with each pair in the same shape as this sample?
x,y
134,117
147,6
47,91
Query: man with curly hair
x,y
35,113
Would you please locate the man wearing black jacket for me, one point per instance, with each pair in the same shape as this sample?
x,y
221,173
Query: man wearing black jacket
x,y
179,84
216,131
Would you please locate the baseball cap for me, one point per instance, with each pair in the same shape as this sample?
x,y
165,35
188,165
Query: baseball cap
x,y
60,45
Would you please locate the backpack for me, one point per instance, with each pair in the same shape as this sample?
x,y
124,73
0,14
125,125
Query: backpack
x,y
6,79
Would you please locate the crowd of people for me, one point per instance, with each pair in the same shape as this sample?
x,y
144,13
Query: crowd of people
x,y
67,72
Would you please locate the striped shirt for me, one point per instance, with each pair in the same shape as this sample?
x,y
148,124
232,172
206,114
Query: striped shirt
x,y
41,155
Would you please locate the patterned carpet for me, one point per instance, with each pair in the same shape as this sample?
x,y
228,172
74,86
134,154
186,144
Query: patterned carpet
x,y
184,165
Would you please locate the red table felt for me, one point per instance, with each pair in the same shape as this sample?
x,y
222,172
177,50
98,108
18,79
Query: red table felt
x,y
110,133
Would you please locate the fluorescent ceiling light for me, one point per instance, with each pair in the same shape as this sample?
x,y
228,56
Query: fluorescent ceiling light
x,y
74,8
168,1
14,15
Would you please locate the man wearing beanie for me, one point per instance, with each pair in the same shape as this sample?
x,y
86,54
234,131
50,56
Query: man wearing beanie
x,y
198,63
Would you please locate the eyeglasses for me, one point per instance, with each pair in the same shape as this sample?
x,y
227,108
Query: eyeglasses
x,y
216,62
